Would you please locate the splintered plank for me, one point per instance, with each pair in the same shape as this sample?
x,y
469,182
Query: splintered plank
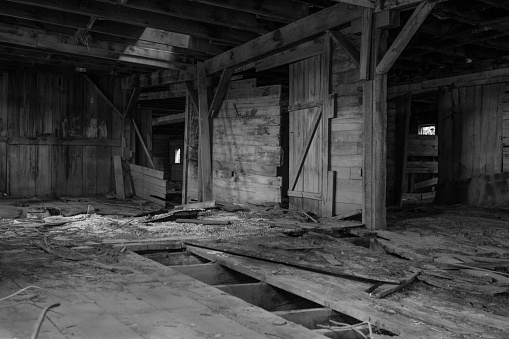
x,y
359,263
343,295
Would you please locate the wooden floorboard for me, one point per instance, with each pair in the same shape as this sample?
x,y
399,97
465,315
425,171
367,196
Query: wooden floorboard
x,y
424,319
149,300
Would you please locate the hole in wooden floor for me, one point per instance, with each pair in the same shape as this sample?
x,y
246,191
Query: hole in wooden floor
x,y
286,305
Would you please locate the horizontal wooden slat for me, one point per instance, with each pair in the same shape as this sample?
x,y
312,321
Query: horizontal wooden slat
x,y
246,168
147,178
147,171
241,196
251,178
249,140
51,141
426,183
307,195
422,167
256,92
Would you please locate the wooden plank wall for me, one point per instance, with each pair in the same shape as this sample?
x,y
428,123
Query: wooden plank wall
x,y
305,91
346,132
246,145
57,135
505,128
470,121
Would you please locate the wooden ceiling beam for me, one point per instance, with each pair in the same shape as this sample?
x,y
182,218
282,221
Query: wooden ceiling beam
x,y
363,3
66,44
285,37
145,19
201,13
146,36
281,10
497,3
22,59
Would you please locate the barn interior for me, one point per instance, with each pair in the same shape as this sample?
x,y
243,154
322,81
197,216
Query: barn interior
x,y
254,169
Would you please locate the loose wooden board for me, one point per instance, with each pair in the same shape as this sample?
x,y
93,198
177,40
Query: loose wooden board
x,y
357,262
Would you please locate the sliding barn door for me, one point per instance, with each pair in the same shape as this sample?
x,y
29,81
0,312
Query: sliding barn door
x,y
305,116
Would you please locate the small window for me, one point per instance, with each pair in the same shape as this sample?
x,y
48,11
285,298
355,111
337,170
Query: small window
x,y
177,156
427,130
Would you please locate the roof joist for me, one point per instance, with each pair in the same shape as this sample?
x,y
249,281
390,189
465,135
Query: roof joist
x,y
285,37
146,19
145,35
282,10
203,13
66,44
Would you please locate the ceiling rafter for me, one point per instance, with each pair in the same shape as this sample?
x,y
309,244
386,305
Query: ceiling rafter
x,y
80,21
282,10
204,13
146,19
61,43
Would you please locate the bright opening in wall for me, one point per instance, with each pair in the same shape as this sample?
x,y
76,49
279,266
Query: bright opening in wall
x,y
177,156
427,130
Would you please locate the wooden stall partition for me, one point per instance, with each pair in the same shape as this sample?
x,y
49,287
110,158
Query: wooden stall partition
x,y
346,140
470,121
246,145
58,134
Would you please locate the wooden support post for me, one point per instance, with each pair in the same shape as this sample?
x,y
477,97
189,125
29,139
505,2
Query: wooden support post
x,y
403,38
328,191
375,135
142,142
405,102
185,169
205,150
367,24
119,177
222,88
367,184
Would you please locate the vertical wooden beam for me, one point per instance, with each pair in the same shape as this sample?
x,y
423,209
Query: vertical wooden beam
x,y
375,143
416,19
404,102
367,183
222,88
187,122
205,151
367,24
328,190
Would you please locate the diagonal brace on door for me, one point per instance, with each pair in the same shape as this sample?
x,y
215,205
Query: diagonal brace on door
x,y
307,144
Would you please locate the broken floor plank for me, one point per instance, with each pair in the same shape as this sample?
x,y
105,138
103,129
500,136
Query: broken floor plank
x,y
343,295
262,322
355,261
